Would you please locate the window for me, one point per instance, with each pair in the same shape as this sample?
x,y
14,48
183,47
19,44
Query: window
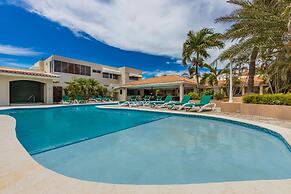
x,y
120,92
58,66
88,71
115,76
77,69
83,70
133,78
130,92
65,67
105,75
96,71
71,68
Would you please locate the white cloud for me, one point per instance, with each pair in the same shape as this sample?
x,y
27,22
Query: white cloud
x,y
13,63
17,51
156,27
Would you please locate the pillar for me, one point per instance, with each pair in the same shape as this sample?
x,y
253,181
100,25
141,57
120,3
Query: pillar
x,y
243,91
181,92
261,89
48,93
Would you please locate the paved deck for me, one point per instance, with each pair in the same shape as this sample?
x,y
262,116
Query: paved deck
x,y
19,173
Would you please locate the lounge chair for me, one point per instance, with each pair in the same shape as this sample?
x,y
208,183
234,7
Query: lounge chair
x,y
146,100
162,104
99,98
66,100
106,99
185,100
79,99
199,107
93,99
132,101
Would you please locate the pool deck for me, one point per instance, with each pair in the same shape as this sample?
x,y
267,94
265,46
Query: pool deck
x,y
19,173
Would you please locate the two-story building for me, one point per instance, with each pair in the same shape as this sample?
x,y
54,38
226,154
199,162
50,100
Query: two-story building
x,y
46,80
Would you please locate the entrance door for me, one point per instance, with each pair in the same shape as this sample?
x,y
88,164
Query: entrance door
x,y
24,91
58,93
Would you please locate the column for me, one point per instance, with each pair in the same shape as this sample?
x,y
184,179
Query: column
x,y
48,92
243,90
181,92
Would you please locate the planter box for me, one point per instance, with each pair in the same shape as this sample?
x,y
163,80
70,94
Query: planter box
x,y
275,111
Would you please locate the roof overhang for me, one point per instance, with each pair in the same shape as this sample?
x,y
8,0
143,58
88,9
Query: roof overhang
x,y
135,75
112,71
28,74
168,85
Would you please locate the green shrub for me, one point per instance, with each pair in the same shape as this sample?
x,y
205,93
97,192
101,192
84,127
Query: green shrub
x,y
273,99
194,95
208,92
218,96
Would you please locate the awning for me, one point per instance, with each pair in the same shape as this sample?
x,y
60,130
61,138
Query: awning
x,y
112,71
135,75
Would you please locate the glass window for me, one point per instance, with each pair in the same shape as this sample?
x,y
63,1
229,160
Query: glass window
x,y
88,70
120,91
96,71
105,75
83,70
130,92
115,76
133,78
57,67
65,68
78,69
71,68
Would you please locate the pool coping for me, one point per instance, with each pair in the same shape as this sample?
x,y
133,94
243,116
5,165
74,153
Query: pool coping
x,y
20,173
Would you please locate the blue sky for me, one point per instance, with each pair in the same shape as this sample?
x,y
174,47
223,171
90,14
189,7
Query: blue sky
x,y
147,35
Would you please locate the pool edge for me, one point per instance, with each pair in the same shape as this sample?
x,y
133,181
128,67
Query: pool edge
x,y
21,174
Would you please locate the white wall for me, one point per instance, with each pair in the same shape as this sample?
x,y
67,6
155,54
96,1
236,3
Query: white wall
x,y
4,87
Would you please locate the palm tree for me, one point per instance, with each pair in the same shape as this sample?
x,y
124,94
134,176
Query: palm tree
x,y
212,76
84,87
196,46
190,73
256,25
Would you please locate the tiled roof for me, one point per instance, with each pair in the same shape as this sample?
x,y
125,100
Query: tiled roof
x,y
244,81
161,80
26,72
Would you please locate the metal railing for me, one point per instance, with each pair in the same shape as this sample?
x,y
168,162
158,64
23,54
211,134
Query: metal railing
x,y
31,97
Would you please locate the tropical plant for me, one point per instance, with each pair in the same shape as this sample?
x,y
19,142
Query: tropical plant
x,y
219,96
257,26
211,77
196,46
191,72
85,87
194,95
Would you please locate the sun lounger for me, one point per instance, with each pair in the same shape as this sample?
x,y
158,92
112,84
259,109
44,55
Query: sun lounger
x,y
204,103
173,105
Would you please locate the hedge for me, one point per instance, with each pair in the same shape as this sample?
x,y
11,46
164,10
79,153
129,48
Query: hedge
x,y
272,99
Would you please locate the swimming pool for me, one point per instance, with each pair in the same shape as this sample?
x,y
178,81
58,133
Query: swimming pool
x,y
137,147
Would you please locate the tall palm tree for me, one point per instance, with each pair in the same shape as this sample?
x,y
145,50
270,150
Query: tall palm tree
x,y
196,46
256,25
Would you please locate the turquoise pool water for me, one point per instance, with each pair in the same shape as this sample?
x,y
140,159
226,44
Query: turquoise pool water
x,y
88,143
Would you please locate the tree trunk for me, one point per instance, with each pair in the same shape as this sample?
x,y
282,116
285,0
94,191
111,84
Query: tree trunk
x,y
197,74
252,70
